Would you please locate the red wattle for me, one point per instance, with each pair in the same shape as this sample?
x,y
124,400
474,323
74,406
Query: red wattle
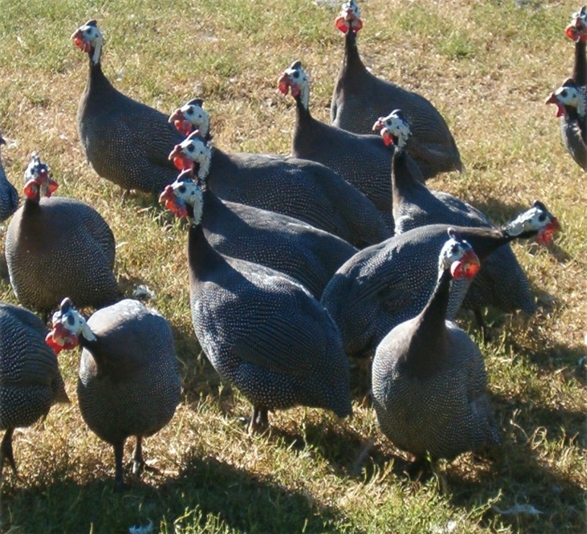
x,y
52,343
184,127
31,189
545,235
342,24
283,86
387,137
176,208
182,163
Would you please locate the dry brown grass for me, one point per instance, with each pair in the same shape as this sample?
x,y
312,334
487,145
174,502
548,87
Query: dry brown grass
x,y
487,66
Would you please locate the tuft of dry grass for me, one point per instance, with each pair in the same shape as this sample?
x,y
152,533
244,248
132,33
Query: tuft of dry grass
x,y
487,66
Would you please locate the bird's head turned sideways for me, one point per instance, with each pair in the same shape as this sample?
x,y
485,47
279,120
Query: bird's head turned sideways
x,y
293,78
393,129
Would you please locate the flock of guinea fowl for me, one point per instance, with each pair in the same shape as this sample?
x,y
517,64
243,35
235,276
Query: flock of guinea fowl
x,y
296,264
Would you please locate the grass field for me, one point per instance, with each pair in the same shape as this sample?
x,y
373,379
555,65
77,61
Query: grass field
x,y
487,66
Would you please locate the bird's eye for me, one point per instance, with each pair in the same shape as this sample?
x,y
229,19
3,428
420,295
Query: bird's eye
x,y
542,217
564,93
181,188
296,74
190,148
190,111
70,319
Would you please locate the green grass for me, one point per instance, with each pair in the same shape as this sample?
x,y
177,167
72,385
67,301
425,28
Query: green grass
x,y
488,67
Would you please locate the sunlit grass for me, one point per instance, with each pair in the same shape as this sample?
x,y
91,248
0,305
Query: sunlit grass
x,y
487,66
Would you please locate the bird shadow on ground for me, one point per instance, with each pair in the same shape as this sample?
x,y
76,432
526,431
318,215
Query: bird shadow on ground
x,y
513,474
205,491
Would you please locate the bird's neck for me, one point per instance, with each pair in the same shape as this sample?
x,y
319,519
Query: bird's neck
x,y
97,77
352,60
580,67
403,184
204,261
428,345
485,240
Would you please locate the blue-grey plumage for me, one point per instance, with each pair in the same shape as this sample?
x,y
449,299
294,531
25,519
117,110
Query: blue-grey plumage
x,y
429,378
30,381
299,188
362,160
386,284
8,193
263,331
128,381
306,253
359,98
571,97
125,141
57,247
501,282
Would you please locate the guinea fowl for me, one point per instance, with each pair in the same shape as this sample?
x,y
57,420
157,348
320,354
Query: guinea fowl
x,y
125,141
262,330
362,160
30,381
302,189
128,382
8,193
57,247
570,98
386,284
360,97
429,379
501,282
283,243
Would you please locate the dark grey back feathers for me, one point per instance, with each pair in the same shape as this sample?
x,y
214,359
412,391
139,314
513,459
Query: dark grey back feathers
x,y
128,381
30,381
60,247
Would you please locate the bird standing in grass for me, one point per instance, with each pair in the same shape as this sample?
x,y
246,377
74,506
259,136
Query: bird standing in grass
x,y
262,330
30,381
128,382
125,141
57,247
429,378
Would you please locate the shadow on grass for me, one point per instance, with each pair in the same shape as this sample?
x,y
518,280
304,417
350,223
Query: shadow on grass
x,y
516,476
205,491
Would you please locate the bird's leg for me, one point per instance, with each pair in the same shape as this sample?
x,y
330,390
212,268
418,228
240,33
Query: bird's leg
x,y
6,451
479,319
420,469
138,464
137,457
259,420
118,477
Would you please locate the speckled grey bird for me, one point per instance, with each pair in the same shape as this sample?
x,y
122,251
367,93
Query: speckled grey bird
x,y
263,331
429,378
30,381
283,243
571,97
362,160
359,98
128,382
386,284
298,188
125,141
8,193
501,282
57,247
